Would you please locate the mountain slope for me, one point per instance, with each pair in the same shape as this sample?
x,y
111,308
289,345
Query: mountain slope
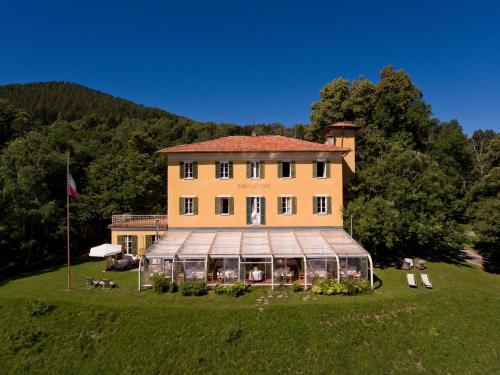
x,y
47,101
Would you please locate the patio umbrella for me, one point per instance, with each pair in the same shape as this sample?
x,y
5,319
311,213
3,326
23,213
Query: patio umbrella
x,y
105,250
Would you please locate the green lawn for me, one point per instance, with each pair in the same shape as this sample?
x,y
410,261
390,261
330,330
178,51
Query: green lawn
x,y
452,329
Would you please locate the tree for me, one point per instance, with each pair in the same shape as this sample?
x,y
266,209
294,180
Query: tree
x,y
32,195
404,205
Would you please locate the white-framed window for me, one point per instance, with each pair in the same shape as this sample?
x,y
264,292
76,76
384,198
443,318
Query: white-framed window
x,y
224,169
286,205
322,204
188,206
188,170
255,169
127,244
286,171
224,205
321,169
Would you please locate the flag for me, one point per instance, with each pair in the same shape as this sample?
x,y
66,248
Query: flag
x,y
72,187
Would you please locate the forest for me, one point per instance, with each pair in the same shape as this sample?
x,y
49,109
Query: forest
x,y
422,187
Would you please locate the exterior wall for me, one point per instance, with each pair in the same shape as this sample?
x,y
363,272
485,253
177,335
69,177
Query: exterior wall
x,y
141,236
206,187
345,138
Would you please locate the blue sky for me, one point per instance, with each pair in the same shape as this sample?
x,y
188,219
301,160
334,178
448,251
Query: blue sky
x,y
233,61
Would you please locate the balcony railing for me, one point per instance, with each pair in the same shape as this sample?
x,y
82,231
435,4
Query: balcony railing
x,y
127,218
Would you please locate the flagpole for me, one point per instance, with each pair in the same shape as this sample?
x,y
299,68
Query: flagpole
x,y
67,222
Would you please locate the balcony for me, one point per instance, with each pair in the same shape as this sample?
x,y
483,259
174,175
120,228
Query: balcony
x,y
138,221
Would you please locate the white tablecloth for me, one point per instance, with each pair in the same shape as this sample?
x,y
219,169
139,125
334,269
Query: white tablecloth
x,y
256,275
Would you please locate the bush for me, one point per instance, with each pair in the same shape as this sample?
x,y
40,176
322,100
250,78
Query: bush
x,y
296,287
38,307
195,288
332,287
173,287
160,284
237,289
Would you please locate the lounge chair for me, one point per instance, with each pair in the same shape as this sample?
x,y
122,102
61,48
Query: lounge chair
x,y
426,280
412,281
107,284
91,282
420,265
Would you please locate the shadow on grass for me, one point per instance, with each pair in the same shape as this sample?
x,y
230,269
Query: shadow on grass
x,y
13,272
377,282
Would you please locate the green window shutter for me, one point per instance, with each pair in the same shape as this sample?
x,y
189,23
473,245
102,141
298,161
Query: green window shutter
x,y
181,206
195,169
134,245
149,240
217,205
230,169
294,205
327,166
315,205
280,170
329,205
217,169
263,211
231,206
195,206
280,211
261,169
181,169
120,240
249,169
249,210
315,169
292,167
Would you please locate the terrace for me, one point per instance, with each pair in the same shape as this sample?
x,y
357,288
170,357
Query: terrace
x,y
257,257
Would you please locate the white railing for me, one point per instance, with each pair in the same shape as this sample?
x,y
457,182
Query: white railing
x,y
129,217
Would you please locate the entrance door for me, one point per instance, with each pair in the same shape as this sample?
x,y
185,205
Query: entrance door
x,y
256,210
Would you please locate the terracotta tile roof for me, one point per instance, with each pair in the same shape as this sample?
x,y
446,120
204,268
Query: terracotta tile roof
x,y
260,143
345,125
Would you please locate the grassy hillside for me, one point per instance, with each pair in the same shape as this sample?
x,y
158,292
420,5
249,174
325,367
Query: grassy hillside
x,y
450,329
47,101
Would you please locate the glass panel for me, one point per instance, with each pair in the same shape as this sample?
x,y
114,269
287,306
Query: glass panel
x,y
256,270
321,268
191,270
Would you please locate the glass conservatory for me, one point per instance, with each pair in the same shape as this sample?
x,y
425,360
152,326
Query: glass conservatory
x,y
257,257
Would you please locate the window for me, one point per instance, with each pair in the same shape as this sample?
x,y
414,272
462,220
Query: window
x,y
188,170
256,210
151,239
130,244
255,169
224,169
224,205
321,169
286,169
322,205
188,206
286,205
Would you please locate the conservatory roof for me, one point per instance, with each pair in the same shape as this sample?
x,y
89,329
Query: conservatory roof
x,y
264,243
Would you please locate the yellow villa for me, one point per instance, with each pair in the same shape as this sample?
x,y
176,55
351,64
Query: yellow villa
x,y
266,210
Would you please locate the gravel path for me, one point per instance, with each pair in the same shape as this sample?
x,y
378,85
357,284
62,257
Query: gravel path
x,y
472,257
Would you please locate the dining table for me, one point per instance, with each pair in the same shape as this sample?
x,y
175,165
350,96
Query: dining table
x,y
256,275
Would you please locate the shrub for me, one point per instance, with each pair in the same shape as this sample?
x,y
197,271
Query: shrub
x,y
173,287
332,287
296,287
195,288
38,307
160,284
237,289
